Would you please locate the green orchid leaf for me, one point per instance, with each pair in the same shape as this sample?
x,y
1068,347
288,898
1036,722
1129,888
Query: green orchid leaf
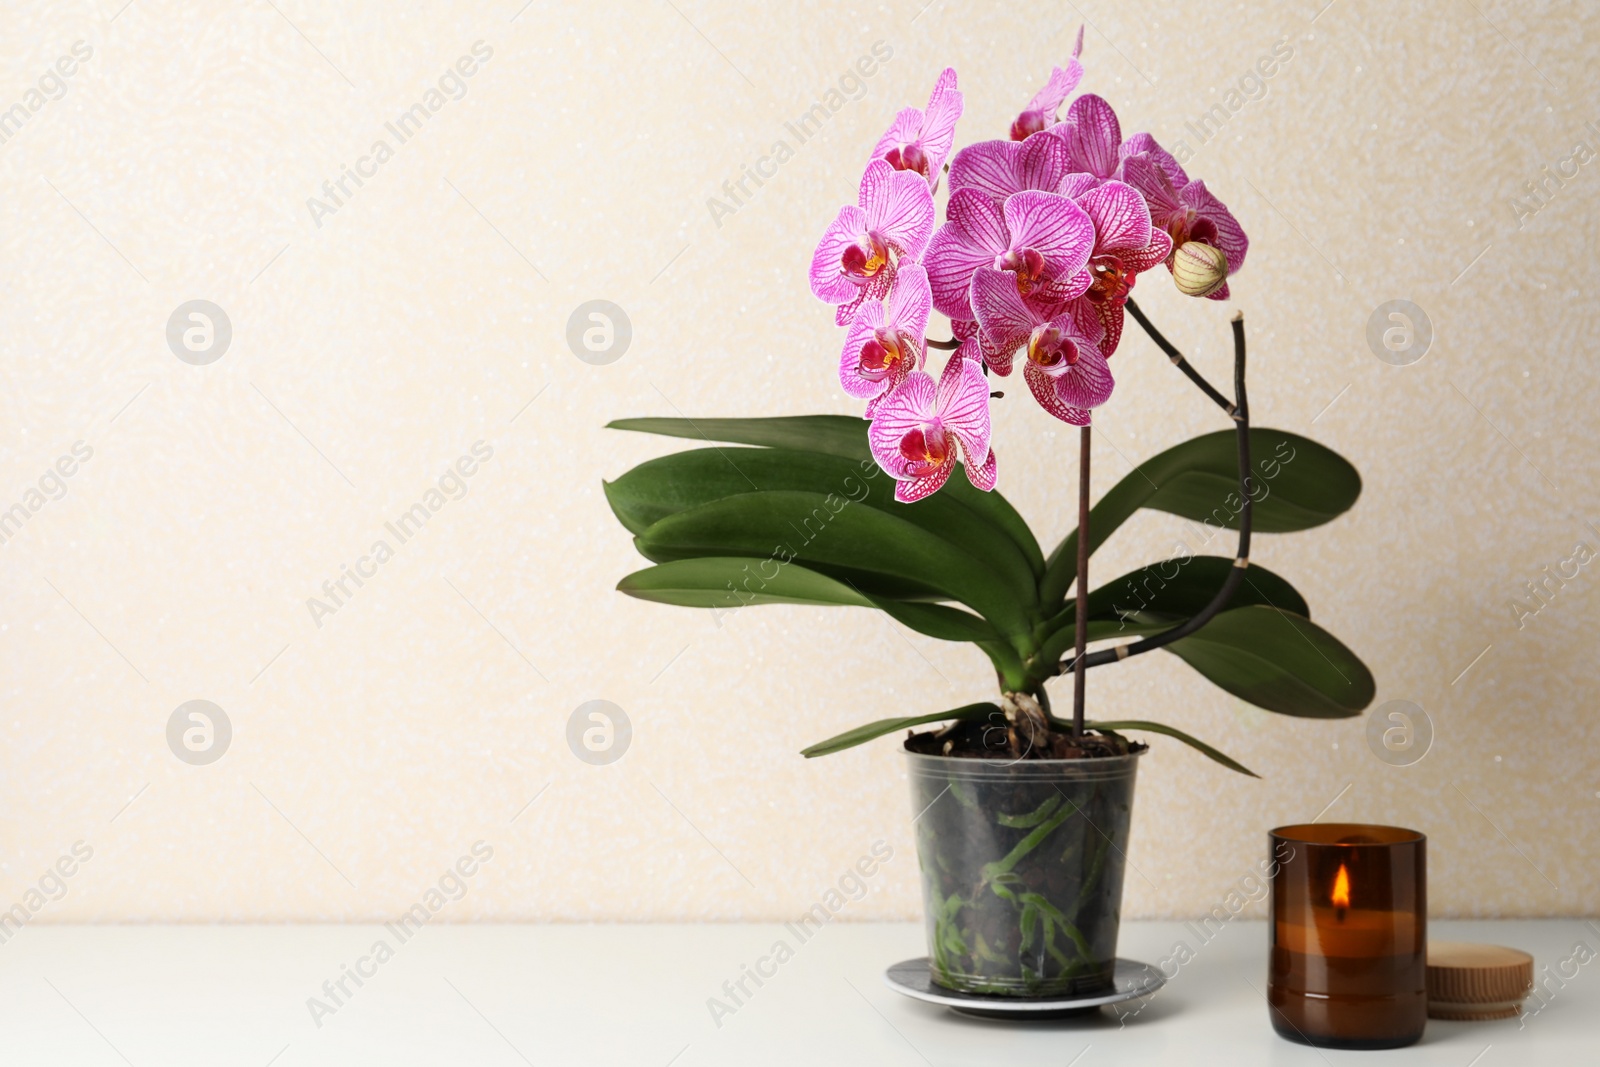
x,y
670,484
1172,731
727,583
824,534
872,730
841,436
1298,484
1279,661
1162,595
837,435
940,621
1183,587
801,515
724,584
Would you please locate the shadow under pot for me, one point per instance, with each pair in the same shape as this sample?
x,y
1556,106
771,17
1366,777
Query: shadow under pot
x,y
1022,866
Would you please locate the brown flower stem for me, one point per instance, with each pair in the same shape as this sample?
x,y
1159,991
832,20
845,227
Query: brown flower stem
x,y
947,346
1081,635
1240,410
1177,359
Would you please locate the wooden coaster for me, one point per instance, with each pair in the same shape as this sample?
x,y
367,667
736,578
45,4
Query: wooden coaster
x,y
1469,981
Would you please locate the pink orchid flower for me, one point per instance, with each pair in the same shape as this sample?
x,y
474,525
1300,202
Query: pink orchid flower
x,y
1040,113
1000,169
1093,137
857,256
884,347
920,140
1043,239
1126,245
1185,210
1145,145
921,428
1065,371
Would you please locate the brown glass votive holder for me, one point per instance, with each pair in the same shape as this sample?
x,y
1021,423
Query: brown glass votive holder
x,y
1348,965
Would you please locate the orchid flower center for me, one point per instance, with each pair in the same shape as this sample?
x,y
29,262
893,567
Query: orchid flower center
x,y
1026,263
1027,124
869,262
879,355
1190,227
908,157
926,448
1203,230
1051,349
1109,281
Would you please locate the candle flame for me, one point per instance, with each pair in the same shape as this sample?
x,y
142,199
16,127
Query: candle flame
x,y
1341,888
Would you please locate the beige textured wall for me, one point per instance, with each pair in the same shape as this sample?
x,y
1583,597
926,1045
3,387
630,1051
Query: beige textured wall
x,y
428,313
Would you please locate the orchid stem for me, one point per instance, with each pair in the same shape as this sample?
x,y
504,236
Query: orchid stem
x,y
1081,634
1177,359
1241,417
947,346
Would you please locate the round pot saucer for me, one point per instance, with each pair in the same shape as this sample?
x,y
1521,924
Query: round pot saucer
x,y
1132,980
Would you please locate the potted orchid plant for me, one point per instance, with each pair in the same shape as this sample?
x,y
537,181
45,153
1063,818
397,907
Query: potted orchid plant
x,y
1022,815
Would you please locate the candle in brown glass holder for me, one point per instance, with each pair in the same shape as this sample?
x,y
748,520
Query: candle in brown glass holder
x,y
1348,962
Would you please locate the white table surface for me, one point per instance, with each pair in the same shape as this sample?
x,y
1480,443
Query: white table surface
x,y
161,996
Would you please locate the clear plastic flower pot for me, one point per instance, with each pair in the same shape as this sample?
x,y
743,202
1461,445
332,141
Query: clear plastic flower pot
x,y
1022,866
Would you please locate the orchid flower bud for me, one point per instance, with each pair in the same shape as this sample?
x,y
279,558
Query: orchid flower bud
x,y
1199,269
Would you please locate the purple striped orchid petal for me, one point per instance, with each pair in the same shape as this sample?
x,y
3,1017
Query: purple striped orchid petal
x,y
985,475
911,302
1051,238
989,167
885,345
1142,144
1214,224
1042,164
1183,209
1040,114
1110,316
845,242
1043,390
1121,217
1160,196
1043,240
898,206
945,105
1066,372
1076,184
973,236
920,430
919,140
1093,136
1063,290
1005,319
903,134
856,259
962,405
1126,245
1001,168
